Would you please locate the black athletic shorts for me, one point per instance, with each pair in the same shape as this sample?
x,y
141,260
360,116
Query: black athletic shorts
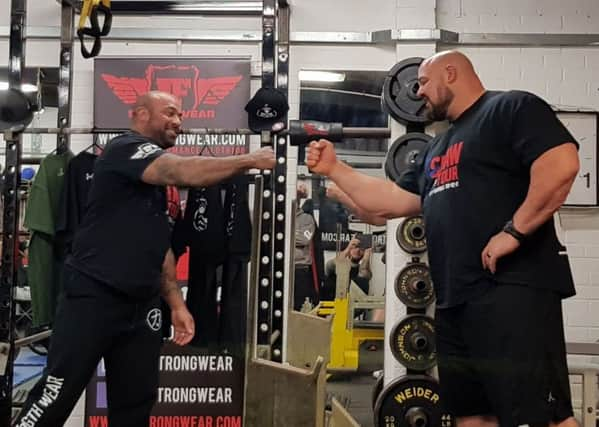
x,y
503,354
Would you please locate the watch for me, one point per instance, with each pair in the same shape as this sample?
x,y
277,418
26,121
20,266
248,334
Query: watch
x,y
511,230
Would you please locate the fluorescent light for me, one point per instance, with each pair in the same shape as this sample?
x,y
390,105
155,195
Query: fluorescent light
x,y
321,76
28,87
25,87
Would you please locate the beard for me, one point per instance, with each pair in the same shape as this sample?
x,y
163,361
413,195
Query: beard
x,y
166,140
438,112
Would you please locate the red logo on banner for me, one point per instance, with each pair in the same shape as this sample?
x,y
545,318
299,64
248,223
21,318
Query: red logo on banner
x,y
183,81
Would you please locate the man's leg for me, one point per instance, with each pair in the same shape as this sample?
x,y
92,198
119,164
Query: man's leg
x,y
132,366
462,393
514,335
201,302
78,339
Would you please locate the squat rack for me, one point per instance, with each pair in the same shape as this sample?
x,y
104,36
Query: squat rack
x,y
270,314
272,250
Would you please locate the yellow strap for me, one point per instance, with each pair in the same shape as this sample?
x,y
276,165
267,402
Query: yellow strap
x,y
87,8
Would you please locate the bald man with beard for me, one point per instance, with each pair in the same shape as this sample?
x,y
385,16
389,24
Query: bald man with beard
x,y
488,188
121,264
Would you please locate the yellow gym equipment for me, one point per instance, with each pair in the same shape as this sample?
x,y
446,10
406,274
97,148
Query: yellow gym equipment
x,y
347,333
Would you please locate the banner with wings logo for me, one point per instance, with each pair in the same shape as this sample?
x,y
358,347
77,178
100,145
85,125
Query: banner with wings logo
x,y
214,92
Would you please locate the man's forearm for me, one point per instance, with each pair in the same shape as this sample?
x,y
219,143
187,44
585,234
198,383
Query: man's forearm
x,y
361,213
365,272
540,204
206,171
171,293
169,288
376,197
356,186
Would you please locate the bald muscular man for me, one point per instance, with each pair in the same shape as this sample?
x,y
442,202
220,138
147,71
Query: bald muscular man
x,y
120,264
488,188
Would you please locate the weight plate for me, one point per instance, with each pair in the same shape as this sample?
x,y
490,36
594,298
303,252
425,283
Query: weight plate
x,y
411,401
411,236
399,97
413,286
15,109
412,342
403,153
378,386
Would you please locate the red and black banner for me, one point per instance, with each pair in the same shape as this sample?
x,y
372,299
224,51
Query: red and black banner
x,y
213,91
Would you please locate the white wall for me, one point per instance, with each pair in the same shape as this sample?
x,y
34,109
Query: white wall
x,y
518,16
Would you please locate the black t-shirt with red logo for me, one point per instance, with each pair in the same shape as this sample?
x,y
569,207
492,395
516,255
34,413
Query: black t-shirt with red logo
x,y
471,180
125,233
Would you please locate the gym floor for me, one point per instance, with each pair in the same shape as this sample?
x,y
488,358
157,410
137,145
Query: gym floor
x,y
354,390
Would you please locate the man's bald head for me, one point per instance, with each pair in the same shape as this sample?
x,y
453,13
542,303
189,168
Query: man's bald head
x,y
449,83
150,100
452,58
157,115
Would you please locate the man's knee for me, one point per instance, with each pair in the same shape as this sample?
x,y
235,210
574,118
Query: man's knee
x,y
477,421
568,422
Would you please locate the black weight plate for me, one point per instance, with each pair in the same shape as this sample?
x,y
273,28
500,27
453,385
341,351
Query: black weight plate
x,y
399,97
413,286
411,236
412,342
378,386
411,401
15,109
403,153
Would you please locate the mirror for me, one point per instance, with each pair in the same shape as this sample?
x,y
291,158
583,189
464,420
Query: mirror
x,y
327,233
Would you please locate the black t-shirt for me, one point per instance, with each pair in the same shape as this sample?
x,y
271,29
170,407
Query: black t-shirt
x,y
217,222
80,172
472,179
125,233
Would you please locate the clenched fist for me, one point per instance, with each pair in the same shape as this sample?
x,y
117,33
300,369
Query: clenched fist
x,y
320,157
263,158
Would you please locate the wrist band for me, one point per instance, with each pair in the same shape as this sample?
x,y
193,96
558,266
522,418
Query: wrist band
x,y
511,230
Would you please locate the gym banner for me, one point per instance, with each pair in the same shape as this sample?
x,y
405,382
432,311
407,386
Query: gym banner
x,y
196,389
213,91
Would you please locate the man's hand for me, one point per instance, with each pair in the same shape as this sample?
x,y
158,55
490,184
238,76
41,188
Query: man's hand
x,y
353,243
500,245
334,192
320,157
183,324
263,158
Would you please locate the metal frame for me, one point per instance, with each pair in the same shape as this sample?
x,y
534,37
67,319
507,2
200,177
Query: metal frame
x,y
435,35
8,270
265,270
279,310
200,7
65,71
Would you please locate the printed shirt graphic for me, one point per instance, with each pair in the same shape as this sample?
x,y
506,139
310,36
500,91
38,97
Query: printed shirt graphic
x,y
471,180
444,169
